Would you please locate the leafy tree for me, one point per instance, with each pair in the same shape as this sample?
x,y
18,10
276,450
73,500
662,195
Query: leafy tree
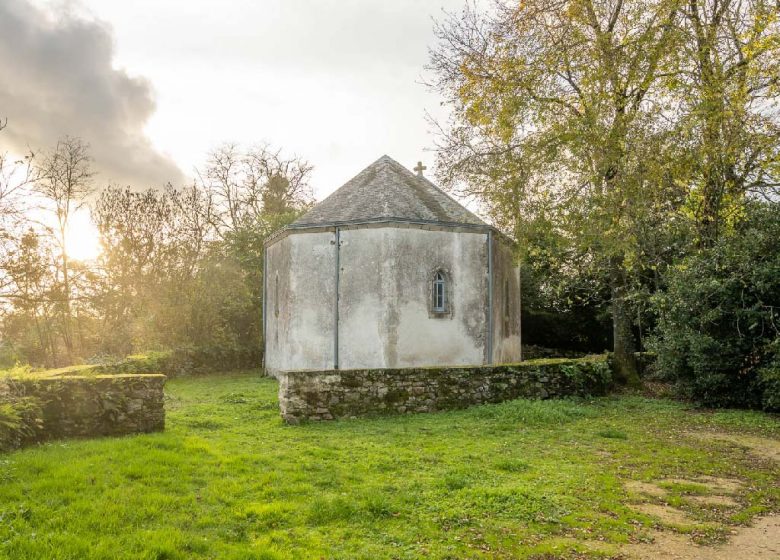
x,y
727,81
28,268
183,267
156,244
553,118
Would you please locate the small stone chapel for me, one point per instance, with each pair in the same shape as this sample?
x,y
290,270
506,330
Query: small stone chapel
x,y
389,272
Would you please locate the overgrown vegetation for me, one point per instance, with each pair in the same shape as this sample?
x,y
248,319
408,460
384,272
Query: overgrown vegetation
x,y
180,270
228,480
612,140
718,331
20,416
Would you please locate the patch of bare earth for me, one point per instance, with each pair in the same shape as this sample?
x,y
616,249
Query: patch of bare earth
x,y
761,541
714,501
665,514
645,488
721,484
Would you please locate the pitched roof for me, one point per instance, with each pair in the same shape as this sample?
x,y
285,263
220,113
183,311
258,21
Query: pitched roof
x,y
387,190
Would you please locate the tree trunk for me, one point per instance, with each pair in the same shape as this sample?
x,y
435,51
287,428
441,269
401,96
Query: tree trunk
x,y
66,324
624,345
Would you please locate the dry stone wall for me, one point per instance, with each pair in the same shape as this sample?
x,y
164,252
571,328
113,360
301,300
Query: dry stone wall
x,y
325,395
82,406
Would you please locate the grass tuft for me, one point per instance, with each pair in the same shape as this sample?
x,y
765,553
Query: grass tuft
x,y
512,465
330,510
612,433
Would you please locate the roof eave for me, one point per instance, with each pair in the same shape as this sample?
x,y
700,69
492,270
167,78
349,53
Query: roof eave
x,y
301,228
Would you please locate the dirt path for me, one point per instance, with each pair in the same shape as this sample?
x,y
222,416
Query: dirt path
x,y
761,541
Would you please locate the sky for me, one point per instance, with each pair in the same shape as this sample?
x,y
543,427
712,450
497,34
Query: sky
x,y
154,85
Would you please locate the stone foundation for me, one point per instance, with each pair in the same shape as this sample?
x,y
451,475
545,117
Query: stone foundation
x,y
325,395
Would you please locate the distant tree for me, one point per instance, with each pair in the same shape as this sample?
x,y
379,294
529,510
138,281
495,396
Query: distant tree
x,y
63,178
247,186
253,192
150,239
182,268
15,174
29,318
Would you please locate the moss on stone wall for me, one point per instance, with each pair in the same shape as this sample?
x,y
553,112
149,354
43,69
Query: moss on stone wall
x,y
324,395
38,409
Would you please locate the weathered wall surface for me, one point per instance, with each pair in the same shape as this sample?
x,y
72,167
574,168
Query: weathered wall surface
x,y
299,320
82,406
327,395
384,285
385,299
506,305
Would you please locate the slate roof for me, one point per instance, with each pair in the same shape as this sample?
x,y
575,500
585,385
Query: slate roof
x,y
387,190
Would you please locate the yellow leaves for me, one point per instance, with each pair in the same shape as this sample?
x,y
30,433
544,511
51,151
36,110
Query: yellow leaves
x,y
575,11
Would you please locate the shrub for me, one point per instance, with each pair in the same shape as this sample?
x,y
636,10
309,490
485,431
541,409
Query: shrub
x,y
9,356
769,381
205,359
21,417
589,375
717,334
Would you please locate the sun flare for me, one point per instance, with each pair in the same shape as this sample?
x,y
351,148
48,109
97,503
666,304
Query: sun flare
x,y
82,241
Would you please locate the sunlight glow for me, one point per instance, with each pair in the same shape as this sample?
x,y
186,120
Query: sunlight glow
x,y
82,239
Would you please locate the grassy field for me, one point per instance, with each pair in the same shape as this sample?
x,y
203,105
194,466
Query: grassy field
x,y
523,479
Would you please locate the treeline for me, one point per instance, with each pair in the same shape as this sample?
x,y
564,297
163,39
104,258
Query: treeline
x,y
633,149
180,268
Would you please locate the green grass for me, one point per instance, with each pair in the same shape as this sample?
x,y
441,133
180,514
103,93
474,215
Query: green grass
x,y
227,479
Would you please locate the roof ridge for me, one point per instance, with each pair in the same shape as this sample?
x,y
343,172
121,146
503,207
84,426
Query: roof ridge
x,y
386,188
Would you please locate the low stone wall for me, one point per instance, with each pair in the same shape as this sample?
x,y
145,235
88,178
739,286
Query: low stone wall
x,y
80,406
325,395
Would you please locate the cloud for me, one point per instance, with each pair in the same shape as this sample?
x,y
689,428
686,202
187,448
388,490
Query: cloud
x,y
58,79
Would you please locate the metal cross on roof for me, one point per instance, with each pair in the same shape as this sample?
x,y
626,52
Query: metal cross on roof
x,y
420,168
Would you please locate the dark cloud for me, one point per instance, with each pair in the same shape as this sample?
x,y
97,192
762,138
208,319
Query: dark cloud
x,y
58,79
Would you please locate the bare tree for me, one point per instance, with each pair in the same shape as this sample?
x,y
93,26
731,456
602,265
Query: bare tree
x,y
280,183
222,179
245,186
14,177
63,178
15,173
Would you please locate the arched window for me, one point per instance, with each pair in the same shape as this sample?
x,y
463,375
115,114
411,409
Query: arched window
x,y
439,292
